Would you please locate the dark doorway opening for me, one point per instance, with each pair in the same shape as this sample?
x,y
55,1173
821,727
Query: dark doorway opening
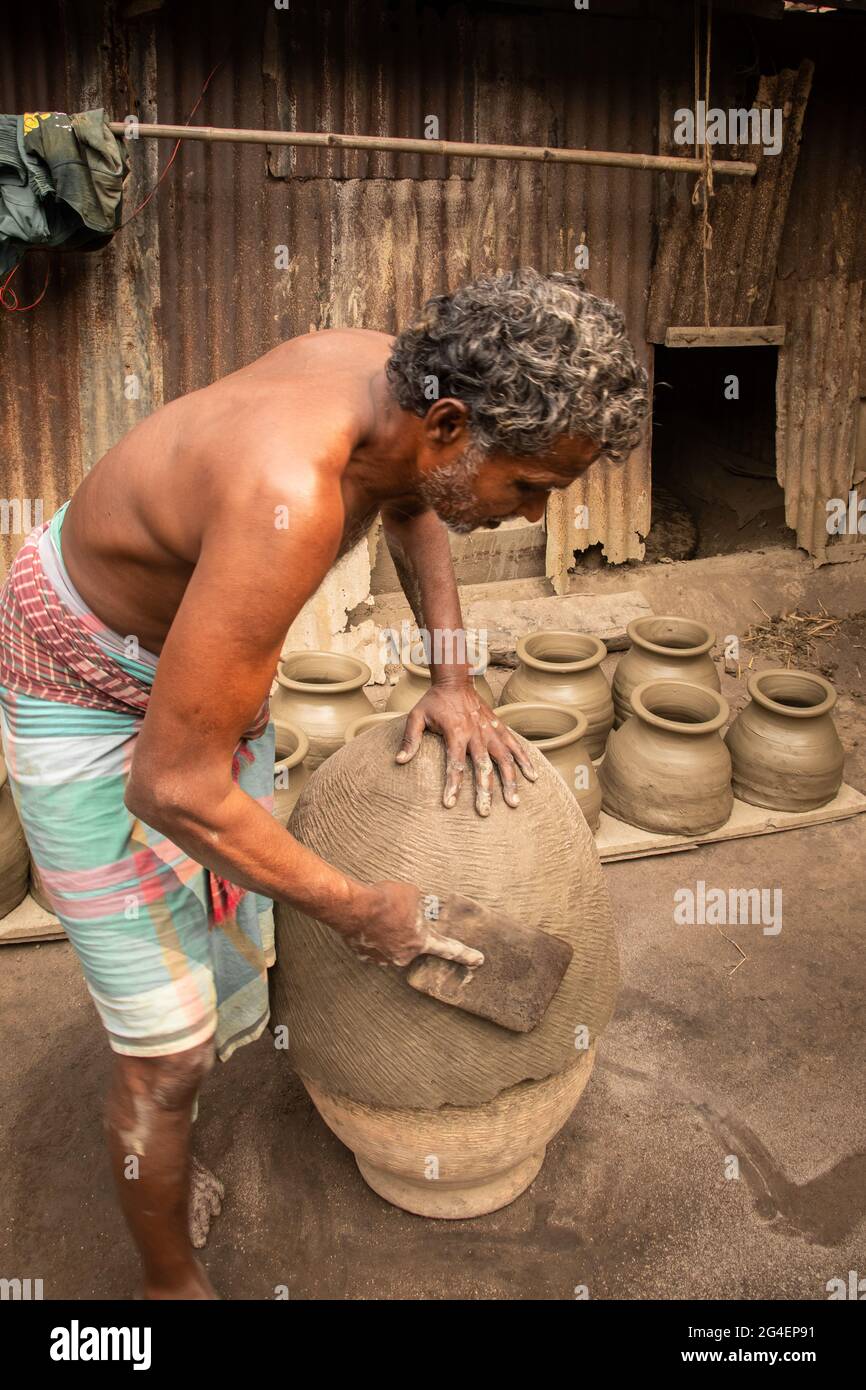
x,y
714,488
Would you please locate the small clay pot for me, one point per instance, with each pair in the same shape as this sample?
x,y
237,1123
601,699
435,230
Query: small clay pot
x,y
667,768
784,747
14,854
291,773
559,734
321,692
415,681
676,649
460,1160
564,668
369,721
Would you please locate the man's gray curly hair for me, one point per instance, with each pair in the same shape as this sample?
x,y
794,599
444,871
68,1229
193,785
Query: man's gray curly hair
x,y
532,356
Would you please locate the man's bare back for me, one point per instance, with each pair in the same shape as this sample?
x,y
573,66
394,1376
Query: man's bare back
x,y
133,532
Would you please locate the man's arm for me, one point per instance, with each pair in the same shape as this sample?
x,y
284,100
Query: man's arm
x,y
215,669
422,557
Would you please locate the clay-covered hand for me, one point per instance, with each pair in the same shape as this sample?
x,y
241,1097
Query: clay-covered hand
x,y
469,727
398,925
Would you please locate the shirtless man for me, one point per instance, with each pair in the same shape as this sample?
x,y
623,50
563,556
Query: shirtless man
x,y
173,538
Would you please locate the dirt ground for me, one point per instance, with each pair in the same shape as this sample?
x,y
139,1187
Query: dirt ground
x,y
703,1063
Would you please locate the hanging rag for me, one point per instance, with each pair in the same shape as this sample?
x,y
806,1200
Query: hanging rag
x,y
61,182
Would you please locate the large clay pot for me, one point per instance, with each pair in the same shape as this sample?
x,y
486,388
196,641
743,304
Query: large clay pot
x,y
415,681
401,1065
559,734
38,891
460,1160
321,692
14,855
291,773
667,768
370,721
564,668
784,747
676,649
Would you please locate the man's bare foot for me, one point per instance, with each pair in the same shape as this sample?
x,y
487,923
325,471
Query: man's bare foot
x,y
206,1194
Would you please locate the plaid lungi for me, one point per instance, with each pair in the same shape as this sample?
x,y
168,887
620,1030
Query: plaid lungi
x,y
171,955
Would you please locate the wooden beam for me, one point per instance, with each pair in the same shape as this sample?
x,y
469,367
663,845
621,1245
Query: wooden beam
x,y
542,154
755,335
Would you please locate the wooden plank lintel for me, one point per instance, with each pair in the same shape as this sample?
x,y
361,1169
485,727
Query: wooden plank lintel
x,y
755,335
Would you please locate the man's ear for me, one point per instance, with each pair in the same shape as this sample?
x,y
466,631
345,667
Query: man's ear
x,y
447,421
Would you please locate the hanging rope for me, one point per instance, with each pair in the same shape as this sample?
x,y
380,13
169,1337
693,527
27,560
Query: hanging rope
x,y
9,299
173,156
703,190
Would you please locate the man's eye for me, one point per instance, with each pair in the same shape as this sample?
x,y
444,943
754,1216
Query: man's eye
x,y
524,486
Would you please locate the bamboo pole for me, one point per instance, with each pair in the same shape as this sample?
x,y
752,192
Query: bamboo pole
x,y
460,149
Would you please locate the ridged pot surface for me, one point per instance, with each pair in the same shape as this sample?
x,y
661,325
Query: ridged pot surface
x,y
784,747
414,682
667,768
291,772
564,668
321,692
663,649
559,734
457,1161
14,854
358,1030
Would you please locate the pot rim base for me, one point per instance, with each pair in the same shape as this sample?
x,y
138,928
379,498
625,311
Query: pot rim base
x,y
755,797
452,1201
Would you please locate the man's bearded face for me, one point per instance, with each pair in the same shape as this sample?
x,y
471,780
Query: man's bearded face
x,y
449,490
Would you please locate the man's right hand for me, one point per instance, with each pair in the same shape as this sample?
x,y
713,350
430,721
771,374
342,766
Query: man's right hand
x,y
394,928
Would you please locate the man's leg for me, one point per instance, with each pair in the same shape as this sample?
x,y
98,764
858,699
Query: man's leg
x,y
149,1119
135,910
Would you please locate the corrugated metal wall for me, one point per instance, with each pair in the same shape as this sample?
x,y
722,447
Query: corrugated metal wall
x,y
821,295
192,287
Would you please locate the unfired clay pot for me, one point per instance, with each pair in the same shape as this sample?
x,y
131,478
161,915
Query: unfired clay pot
x,y
291,773
415,681
457,1161
784,746
676,649
559,734
370,721
37,889
321,692
14,855
448,1113
564,668
667,768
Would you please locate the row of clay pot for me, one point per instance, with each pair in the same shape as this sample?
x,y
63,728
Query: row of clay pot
x,y
564,668
668,768
672,771
557,698
322,693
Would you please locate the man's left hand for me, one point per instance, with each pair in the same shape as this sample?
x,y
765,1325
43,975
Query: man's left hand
x,y
469,727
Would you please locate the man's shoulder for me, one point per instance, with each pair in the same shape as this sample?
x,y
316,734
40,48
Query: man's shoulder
x,y
325,343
